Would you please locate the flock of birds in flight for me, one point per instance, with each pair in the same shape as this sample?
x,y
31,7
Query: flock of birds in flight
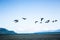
x,y
16,21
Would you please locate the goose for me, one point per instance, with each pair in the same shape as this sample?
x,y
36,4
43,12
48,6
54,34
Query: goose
x,y
24,18
16,21
47,21
36,22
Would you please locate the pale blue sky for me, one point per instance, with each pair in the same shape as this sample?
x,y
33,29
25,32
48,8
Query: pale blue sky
x,y
31,9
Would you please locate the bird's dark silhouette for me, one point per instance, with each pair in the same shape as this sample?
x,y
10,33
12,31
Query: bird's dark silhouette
x,y
36,22
24,18
54,21
41,20
47,21
16,21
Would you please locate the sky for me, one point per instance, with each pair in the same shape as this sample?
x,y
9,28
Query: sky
x,y
32,10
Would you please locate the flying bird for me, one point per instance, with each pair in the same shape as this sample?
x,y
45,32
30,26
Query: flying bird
x,y
24,18
16,21
41,20
47,21
54,21
36,22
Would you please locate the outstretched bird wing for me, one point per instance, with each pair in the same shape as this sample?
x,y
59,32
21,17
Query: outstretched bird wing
x,y
47,21
56,20
36,21
42,19
24,18
16,21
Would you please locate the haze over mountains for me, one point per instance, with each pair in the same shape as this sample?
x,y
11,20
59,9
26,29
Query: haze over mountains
x,y
5,31
50,32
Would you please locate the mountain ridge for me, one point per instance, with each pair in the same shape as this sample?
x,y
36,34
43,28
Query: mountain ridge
x,y
5,31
